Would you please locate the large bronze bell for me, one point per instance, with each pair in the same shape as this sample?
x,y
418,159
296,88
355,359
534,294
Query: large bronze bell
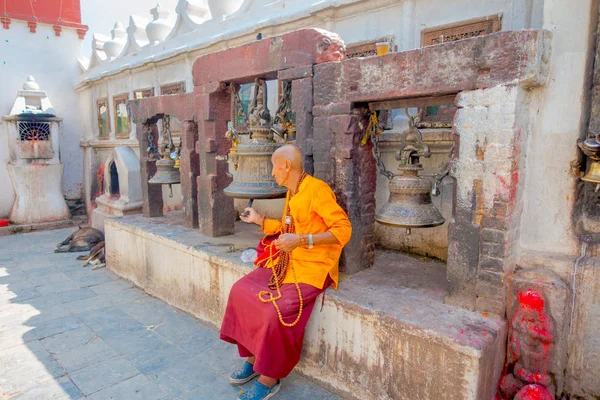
x,y
166,171
591,148
252,159
409,205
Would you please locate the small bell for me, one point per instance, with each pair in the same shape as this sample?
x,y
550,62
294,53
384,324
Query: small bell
x,y
166,173
591,148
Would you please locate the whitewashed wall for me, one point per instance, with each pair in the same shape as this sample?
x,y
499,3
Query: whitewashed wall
x,y
52,61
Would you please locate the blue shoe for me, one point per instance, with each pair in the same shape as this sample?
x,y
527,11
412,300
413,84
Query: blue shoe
x,y
244,374
260,392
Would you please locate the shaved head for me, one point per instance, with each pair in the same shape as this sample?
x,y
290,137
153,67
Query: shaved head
x,y
291,153
287,165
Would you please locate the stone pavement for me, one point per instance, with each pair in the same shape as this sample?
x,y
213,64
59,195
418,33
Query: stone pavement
x,y
68,332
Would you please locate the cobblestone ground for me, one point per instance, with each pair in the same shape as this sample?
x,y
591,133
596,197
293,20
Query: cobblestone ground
x,y
68,332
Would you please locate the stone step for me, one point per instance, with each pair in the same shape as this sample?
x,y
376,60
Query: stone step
x,y
377,337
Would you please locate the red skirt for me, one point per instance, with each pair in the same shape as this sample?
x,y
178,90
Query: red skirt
x,y
255,327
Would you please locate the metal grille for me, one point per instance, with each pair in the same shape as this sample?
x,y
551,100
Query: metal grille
x,y
34,130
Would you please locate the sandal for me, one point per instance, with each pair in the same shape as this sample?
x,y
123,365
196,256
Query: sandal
x,y
243,375
260,392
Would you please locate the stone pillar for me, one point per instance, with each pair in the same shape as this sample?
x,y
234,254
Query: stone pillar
x,y
350,170
491,127
151,194
215,209
189,166
302,105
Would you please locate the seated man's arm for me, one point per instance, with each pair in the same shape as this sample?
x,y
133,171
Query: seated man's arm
x,y
326,206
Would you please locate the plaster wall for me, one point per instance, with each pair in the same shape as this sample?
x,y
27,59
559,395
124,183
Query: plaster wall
x,y
546,234
52,61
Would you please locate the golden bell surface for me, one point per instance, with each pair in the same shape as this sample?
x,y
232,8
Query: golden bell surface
x,y
593,174
409,204
166,173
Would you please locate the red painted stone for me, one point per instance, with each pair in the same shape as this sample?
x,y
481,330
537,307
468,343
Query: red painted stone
x,y
534,392
5,22
57,29
266,57
32,26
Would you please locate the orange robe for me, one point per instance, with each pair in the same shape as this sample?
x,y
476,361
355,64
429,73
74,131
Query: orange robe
x,y
315,210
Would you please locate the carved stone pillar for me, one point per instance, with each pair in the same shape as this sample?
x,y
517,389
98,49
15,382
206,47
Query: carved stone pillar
x,y
189,169
215,209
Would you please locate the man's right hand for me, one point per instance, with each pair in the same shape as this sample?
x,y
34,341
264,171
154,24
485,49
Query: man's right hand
x,y
252,217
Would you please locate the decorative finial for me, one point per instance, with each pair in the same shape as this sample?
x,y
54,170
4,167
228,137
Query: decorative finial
x,y
31,84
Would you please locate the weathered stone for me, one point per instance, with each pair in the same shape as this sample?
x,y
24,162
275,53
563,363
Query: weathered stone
x,y
265,57
555,302
491,60
180,106
302,105
189,170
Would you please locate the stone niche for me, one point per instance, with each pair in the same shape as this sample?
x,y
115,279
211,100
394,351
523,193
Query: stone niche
x,y
122,186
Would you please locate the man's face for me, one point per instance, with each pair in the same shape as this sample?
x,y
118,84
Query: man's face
x,y
280,170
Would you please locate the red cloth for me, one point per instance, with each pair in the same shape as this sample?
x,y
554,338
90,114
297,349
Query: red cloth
x,y
254,326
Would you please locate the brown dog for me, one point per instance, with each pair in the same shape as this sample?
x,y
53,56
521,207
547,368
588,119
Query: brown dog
x,y
83,239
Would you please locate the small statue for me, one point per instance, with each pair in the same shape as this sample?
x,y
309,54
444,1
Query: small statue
x,y
259,112
531,337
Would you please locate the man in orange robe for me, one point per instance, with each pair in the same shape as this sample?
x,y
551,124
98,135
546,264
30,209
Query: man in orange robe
x,y
269,329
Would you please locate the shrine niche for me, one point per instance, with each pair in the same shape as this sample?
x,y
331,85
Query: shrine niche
x,y
103,118
121,116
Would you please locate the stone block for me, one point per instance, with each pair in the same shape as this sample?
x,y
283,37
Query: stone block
x,y
103,374
487,61
491,293
136,388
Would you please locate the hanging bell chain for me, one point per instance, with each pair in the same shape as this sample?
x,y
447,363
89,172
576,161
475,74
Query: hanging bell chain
x,y
371,133
153,153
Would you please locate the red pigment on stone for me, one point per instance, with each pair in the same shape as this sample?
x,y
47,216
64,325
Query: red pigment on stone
x,y
534,392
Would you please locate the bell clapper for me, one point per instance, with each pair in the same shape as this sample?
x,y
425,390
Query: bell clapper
x,y
597,188
408,231
170,190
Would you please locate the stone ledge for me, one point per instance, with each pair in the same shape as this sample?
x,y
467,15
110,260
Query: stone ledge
x,y
371,339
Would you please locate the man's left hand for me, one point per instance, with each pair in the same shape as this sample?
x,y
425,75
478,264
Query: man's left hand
x,y
287,242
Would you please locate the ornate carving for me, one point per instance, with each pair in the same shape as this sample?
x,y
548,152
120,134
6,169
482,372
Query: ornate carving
x,y
172,88
460,30
260,117
330,48
143,93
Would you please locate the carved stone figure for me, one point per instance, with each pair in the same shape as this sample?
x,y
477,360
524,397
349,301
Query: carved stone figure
x,y
259,112
531,337
330,48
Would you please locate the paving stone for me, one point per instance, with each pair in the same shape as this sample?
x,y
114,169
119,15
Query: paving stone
x,y
125,296
25,366
109,288
48,279
149,311
103,374
136,388
59,287
183,331
31,316
53,327
133,343
60,389
222,357
153,361
11,276
88,277
16,287
80,357
184,376
19,295
217,389
68,340
89,304
109,322
294,387
76,295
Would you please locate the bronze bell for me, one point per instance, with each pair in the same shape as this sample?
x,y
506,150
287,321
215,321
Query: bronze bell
x,y
167,172
409,205
252,159
591,148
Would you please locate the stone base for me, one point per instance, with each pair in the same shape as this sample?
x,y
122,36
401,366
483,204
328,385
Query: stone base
x,y
38,194
385,334
108,206
80,220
